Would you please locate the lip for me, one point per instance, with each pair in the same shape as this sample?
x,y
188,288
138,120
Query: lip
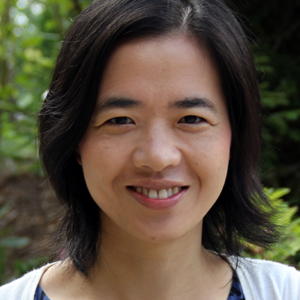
x,y
158,204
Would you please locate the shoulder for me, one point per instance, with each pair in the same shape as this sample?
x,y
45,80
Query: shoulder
x,y
24,287
261,279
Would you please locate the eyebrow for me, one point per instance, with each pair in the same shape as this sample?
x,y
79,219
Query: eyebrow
x,y
123,102
116,102
195,102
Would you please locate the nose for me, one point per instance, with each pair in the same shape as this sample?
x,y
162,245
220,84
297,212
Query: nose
x,y
157,151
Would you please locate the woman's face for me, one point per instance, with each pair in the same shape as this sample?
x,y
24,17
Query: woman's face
x,y
156,152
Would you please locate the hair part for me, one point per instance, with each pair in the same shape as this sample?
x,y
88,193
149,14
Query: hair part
x,y
238,214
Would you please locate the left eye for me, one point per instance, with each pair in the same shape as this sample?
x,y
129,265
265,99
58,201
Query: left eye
x,y
120,121
191,120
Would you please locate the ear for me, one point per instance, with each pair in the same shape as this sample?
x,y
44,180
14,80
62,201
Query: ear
x,y
77,154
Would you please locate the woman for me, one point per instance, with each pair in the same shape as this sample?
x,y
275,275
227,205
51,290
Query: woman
x,y
150,136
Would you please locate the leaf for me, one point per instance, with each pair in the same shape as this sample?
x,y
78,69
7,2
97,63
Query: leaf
x,y
14,242
278,193
25,101
4,210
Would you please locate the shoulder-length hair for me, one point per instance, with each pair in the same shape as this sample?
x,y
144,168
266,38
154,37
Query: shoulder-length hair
x,y
238,215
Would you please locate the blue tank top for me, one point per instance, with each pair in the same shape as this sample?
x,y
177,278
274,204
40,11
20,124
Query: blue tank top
x,y
236,292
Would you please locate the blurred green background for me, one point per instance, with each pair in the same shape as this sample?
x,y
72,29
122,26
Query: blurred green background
x,y
30,38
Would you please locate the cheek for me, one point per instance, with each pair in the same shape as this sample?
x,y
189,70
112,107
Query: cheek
x,y
102,161
211,157
94,161
222,144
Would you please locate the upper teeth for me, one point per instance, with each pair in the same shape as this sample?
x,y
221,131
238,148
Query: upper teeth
x,y
158,194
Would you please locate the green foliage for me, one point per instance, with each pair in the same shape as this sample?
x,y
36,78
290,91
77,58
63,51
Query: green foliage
x,y
30,37
286,251
2,265
276,51
14,242
7,242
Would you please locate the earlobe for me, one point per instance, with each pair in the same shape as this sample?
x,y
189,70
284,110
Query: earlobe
x,y
77,154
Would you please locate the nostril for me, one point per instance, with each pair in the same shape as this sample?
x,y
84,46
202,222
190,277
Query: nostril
x,y
156,159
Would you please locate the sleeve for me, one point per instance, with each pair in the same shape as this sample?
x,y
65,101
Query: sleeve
x,y
23,288
263,280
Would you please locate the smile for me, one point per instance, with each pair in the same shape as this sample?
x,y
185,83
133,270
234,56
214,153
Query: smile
x,y
158,194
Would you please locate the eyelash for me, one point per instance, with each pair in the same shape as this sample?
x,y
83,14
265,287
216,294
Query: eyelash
x,y
114,121
124,120
199,119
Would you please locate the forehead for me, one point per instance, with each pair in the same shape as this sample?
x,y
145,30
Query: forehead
x,y
169,68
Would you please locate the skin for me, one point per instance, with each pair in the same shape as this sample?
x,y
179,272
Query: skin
x,y
153,140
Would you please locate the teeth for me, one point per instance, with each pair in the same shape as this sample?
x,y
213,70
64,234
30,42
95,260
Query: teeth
x,y
158,194
145,191
162,194
175,190
170,192
152,194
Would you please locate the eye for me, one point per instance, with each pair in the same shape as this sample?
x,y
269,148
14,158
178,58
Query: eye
x,y
120,121
191,120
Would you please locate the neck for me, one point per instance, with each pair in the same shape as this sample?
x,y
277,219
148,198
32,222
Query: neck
x,y
176,269
133,269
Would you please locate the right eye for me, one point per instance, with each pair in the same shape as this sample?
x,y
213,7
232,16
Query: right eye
x,y
191,120
120,121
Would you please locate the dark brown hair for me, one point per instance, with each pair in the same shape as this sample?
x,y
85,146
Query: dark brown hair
x,y
237,214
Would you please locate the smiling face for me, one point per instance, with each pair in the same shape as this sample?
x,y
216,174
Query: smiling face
x,y
156,152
